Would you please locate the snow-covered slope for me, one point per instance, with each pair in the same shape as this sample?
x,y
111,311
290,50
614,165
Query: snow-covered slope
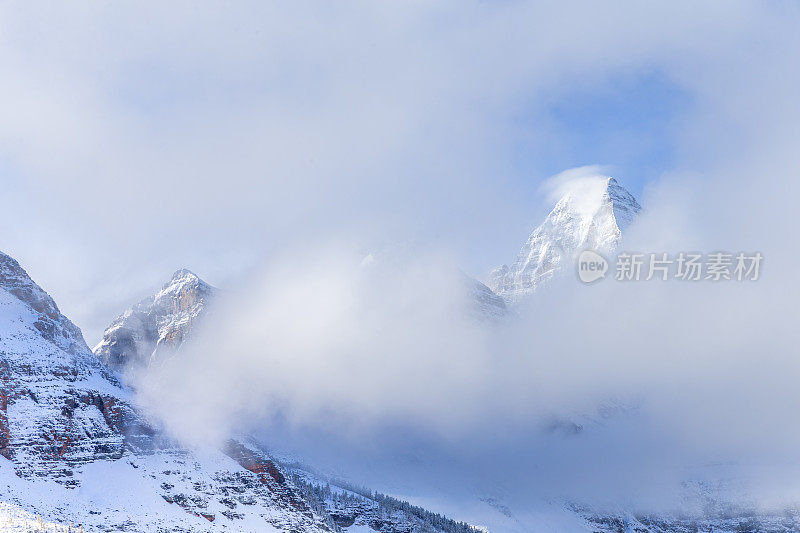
x,y
74,447
357,509
154,328
591,214
59,406
485,303
76,450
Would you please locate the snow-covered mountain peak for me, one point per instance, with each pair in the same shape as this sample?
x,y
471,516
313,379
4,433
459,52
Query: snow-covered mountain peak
x,y
182,273
587,197
156,326
49,321
184,292
183,276
590,213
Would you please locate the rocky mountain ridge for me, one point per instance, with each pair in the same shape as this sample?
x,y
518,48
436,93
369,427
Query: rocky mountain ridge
x,y
154,329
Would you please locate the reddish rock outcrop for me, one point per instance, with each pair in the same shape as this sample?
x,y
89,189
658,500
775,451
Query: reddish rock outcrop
x,y
254,462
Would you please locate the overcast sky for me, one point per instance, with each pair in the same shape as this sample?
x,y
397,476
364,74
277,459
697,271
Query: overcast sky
x,y
134,141
279,142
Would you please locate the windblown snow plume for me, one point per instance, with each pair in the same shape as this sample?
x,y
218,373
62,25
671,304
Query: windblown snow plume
x,y
591,210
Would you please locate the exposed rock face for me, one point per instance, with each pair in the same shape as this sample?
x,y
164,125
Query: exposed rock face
x,y
153,329
59,407
589,216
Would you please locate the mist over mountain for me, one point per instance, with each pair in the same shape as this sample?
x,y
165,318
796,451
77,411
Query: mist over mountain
x,y
347,365
384,328
79,450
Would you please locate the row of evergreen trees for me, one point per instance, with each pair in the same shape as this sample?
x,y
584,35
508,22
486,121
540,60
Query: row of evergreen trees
x,y
325,500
